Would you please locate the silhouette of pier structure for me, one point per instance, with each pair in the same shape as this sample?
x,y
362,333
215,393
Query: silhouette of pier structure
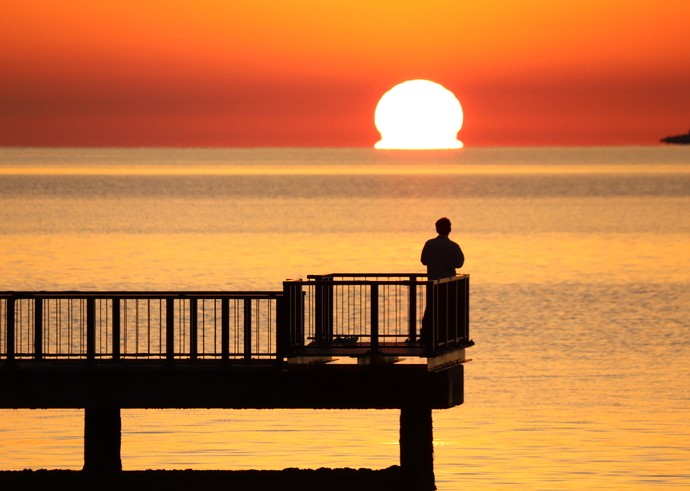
x,y
338,341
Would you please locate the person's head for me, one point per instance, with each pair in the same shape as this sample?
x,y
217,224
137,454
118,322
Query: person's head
x,y
443,226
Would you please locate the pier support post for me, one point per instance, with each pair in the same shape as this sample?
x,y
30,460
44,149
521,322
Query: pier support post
x,y
102,434
417,446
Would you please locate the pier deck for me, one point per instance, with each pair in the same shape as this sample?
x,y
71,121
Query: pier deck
x,y
261,385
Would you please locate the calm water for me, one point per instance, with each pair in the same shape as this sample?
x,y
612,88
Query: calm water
x,y
580,266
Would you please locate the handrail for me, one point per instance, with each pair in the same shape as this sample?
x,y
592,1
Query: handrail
x,y
136,294
99,325
357,312
322,307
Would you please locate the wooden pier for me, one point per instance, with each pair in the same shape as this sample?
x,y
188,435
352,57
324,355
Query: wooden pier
x,y
337,341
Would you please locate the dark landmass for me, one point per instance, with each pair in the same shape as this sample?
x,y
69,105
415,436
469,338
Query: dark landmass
x,y
677,138
344,479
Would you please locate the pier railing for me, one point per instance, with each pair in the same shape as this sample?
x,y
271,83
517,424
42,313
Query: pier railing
x,y
138,325
372,310
358,314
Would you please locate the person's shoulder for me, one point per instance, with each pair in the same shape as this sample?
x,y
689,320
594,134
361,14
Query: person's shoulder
x,y
452,243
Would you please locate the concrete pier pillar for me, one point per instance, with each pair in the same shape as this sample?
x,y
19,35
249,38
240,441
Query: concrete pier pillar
x,y
102,440
417,446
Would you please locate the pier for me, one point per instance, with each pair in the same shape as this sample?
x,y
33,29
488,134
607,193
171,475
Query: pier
x,y
337,341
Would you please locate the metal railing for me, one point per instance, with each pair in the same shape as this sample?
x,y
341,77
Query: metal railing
x,y
138,325
448,303
357,312
368,309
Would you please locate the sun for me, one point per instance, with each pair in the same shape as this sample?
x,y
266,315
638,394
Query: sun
x,y
418,115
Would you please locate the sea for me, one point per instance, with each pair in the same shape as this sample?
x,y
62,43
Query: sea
x,y
579,264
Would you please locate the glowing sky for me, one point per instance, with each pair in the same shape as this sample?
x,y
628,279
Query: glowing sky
x,y
310,72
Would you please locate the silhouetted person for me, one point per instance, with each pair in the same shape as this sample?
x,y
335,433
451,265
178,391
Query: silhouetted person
x,y
441,256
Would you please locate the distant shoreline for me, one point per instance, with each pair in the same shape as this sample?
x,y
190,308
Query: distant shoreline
x,y
677,139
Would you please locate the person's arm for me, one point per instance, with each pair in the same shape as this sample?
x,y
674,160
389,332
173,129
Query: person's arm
x,y
425,254
460,258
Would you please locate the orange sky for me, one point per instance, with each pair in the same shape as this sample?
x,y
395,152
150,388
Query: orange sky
x,y
310,72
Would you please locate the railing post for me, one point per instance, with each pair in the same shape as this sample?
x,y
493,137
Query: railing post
x,y
11,328
453,311
193,329
281,323
323,309
466,307
38,328
374,310
412,311
247,328
170,329
225,329
115,341
290,333
435,309
442,313
284,326
90,328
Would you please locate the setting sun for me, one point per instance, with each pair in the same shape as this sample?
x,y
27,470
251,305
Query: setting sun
x,y
418,114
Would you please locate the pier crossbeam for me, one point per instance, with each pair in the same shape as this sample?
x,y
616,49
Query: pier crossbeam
x,y
236,386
